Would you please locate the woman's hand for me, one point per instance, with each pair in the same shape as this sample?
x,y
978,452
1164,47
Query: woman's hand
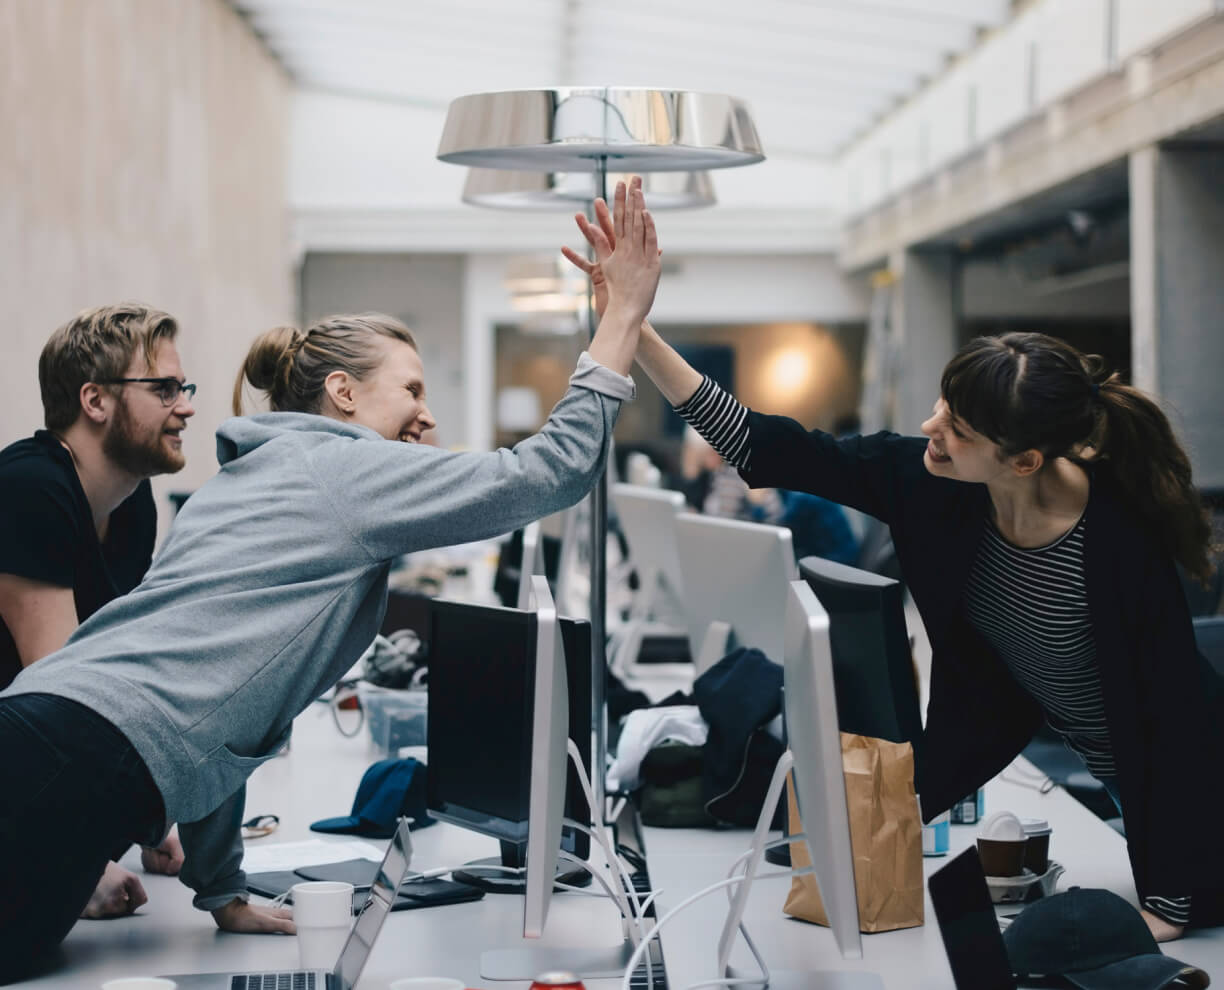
x,y
1162,931
626,266
593,269
238,916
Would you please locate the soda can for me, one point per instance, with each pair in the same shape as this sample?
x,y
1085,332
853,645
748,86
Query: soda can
x,y
969,810
557,980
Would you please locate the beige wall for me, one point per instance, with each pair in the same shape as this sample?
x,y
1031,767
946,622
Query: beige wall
x,y
143,157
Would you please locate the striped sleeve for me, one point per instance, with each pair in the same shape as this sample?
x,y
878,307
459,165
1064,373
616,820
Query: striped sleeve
x,y
720,419
1174,910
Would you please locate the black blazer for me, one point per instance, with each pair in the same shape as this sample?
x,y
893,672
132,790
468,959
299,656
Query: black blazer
x,y
1162,700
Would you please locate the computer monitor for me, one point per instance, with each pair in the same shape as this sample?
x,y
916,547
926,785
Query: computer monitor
x,y
735,572
482,674
531,564
551,679
814,758
549,760
873,669
647,518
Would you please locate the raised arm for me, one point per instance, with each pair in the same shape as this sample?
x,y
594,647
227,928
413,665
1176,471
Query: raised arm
x,y
630,262
672,375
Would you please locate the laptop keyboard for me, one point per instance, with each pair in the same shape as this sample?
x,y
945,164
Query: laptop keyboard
x,y
274,981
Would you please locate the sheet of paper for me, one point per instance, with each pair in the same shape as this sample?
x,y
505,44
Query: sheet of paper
x,y
309,852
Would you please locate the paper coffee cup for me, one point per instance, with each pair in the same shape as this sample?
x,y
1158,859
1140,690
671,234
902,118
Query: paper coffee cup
x,y
1037,833
1002,857
323,915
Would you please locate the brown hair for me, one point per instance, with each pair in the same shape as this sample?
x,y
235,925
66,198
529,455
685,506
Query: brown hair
x,y
94,346
291,366
1028,391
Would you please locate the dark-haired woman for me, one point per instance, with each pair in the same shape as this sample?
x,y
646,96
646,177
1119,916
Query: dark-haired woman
x,y
271,583
1037,528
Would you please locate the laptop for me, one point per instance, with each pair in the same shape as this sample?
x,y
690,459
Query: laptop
x,y
969,926
392,872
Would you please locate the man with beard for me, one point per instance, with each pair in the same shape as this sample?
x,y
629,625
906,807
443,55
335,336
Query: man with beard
x,y
77,518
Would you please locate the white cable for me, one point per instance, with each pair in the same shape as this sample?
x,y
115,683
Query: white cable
x,y
633,913
692,898
570,858
599,833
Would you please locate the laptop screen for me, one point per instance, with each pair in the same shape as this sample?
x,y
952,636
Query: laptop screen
x,y
969,926
392,873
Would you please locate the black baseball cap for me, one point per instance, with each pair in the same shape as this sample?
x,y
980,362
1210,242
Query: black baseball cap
x,y
1095,940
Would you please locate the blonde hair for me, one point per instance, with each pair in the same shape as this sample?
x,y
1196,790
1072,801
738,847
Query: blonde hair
x,y
97,345
291,366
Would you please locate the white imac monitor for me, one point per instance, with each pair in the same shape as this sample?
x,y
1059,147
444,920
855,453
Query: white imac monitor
x,y
738,573
549,762
549,759
532,563
647,517
815,760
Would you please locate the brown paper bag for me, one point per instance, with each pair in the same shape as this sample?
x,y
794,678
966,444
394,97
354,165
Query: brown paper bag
x,y
885,835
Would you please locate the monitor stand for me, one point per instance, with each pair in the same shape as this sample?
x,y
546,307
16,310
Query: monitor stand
x,y
484,875
783,979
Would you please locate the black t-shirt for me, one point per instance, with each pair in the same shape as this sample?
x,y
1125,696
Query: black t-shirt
x,y
47,533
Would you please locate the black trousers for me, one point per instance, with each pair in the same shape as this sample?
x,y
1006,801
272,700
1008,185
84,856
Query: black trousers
x,y
72,791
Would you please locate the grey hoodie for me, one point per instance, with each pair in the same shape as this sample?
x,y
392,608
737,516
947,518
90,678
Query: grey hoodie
x,y
273,581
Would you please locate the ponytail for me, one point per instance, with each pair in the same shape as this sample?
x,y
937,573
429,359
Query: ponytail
x,y
1136,445
291,366
269,366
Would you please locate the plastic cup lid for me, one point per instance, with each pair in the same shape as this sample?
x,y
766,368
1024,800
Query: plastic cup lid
x,y
1035,826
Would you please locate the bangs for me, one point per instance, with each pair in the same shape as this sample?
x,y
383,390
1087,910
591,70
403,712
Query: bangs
x,y
979,386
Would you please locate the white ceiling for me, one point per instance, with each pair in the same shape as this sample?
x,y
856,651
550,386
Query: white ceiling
x,y
816,73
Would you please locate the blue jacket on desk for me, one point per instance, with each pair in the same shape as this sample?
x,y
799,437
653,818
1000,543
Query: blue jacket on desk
x,y
273,581
1163,703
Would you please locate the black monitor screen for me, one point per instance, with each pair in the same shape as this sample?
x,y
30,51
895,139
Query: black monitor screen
x,y
872,668
481,685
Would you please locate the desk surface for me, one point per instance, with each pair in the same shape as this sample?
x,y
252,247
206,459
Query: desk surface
x,y
319,777
684,861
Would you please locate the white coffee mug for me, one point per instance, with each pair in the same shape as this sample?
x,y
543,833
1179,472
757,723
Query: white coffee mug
x,y
139,983
426,983
323,915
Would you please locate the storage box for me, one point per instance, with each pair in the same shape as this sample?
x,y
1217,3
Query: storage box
x,y
394,718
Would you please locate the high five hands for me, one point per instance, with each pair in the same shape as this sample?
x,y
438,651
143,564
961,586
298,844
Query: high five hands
x,y
626,249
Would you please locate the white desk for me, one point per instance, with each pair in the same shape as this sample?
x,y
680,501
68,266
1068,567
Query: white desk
x,y
317,780
684,861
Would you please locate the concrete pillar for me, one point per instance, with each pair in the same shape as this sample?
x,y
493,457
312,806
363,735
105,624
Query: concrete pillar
x,y
924,315
1177,294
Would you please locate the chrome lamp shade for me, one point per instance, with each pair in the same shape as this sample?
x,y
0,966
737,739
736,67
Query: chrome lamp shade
x,y
503,190
584,129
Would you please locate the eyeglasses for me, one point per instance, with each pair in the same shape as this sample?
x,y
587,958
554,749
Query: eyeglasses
x,y
166,389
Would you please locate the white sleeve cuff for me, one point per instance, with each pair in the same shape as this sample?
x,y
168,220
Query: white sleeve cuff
x,y
592,375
